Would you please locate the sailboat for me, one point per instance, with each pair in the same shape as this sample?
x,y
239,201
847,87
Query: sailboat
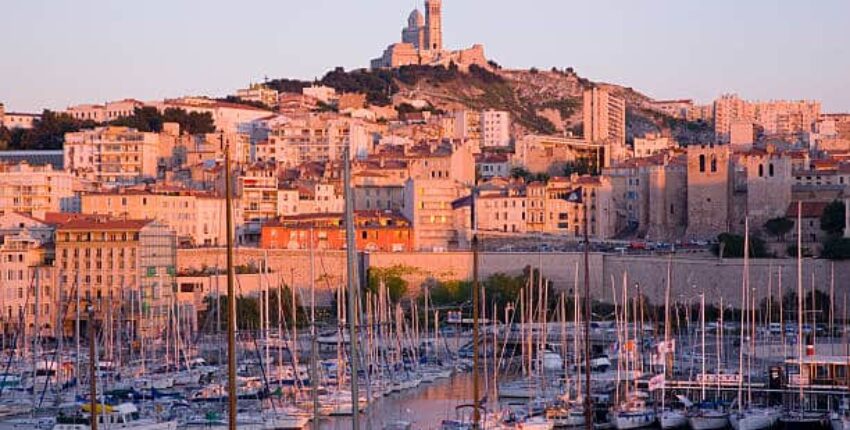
x,y
749,417
706,415
668,418
632,410
800,417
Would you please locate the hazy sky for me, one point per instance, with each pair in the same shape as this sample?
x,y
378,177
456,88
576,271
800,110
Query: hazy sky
x,y
59,52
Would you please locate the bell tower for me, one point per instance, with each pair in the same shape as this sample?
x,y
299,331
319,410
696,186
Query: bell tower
x,y
434,25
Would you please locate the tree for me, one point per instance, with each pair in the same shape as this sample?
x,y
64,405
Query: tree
x,y
149,119
832,220
779,227
836,248
392,277
520,172
451,293
732,246
48,132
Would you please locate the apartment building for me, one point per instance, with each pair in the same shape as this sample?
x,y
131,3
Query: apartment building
x,y
28,299
112,155
604,117
651,144
386,231
317,138
310,197
116,266
197,218
495,128
258,190
776,117
36,189
428,205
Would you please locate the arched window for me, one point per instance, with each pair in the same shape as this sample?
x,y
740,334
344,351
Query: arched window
x,y
761,170
702,163
713,164
770,170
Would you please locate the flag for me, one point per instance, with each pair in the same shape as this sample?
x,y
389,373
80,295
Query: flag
x,y
656,382
573,196
667,347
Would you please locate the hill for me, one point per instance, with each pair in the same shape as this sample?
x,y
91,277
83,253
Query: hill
x,y
545,102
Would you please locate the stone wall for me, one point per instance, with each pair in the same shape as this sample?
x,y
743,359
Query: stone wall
x,y
691,275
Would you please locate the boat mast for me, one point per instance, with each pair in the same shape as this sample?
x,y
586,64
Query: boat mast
x,y
231,296
745,278
800,300
666,332
588,404
314,350
92,368
353,286
476,413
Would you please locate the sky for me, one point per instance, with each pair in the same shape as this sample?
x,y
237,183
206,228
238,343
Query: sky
x,y
62,52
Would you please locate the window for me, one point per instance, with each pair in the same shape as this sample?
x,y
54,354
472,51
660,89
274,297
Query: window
x,y
770,170
713,164
702,163
761,170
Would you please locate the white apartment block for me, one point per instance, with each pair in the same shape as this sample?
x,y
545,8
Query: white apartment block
x,y
36,190
495,128
604,117
112,155
315,138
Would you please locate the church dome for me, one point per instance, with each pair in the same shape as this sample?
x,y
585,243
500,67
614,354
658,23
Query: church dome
x,y
416,20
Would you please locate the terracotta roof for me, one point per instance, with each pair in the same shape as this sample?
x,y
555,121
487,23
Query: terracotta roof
x,y
808,210
103,224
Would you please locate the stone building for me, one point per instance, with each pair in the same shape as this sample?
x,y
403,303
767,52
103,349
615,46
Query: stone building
x,y
422,43
650,195
550,154
709,190
766,177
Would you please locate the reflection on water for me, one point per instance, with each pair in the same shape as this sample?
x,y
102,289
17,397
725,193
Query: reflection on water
x,y
425,406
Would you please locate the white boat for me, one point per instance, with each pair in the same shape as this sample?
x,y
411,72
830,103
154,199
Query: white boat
x,y
123,416
754,418
566,416
27,424
633,415
286,419
807,420
839,421
527,389
708,419
552,361
672,419
536,423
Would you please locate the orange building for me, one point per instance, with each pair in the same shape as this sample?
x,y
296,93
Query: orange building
x,y
374,231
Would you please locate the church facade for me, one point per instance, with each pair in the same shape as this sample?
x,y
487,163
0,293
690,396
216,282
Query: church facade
x,y
422,43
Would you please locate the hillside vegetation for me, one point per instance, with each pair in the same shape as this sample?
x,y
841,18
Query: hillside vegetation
x,y
545,102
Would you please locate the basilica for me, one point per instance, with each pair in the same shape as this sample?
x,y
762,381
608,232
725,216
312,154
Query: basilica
x,y
422,43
